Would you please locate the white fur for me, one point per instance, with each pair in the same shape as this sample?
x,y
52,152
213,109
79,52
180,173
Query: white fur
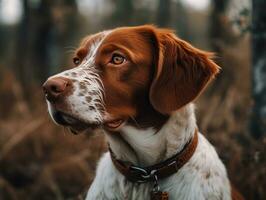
x,y
85,74
202,177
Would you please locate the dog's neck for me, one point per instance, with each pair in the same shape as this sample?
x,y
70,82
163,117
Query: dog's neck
x,y
148,147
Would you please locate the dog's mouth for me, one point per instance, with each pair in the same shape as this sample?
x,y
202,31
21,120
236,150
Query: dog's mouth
x,y
74,124
77,125
115,124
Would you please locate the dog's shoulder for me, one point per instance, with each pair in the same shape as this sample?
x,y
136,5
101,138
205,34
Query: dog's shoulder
x,y
203,177
106,177
208,172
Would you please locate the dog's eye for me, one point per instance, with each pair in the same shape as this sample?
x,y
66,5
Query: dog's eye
x,y
117,59
76,60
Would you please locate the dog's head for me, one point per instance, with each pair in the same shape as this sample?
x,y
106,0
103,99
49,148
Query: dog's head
x,y
135,75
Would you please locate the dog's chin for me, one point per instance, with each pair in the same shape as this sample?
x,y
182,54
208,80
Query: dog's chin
x,y
74,124
77,125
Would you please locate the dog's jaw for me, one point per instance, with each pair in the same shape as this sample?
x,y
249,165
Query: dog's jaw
x,y
149,146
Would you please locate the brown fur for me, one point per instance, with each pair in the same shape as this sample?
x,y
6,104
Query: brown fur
x,y
156,59
181,68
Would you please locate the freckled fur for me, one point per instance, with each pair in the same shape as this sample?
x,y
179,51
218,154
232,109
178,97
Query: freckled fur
x,y
85,79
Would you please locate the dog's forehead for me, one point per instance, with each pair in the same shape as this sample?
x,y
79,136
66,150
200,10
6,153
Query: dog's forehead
x,y
90,43
127,36
90,40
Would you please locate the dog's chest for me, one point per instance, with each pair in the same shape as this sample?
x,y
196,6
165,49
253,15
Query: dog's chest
x,y
203,177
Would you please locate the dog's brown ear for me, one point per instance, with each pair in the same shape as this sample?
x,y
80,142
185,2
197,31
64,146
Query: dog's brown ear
x,y
182,72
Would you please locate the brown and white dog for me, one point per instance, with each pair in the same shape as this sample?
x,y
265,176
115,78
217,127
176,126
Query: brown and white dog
x,y
137,84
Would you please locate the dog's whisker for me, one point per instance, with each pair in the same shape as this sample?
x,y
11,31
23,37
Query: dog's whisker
x,y
71,47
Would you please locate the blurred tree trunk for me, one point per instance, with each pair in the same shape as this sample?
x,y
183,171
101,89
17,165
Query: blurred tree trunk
x,y
32,47
46,25
55,22
124,10
258,121
22,49
163,13
218,22
221,36
179,17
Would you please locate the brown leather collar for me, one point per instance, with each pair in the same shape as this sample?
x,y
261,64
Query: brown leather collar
x,y
157,171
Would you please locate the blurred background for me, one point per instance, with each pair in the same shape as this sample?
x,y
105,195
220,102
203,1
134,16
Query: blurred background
x,y
39,160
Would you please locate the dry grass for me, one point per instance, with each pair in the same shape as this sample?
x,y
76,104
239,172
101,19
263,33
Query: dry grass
x,y
41,161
